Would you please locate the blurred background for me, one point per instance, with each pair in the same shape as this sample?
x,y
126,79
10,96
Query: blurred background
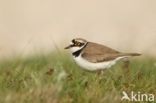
x,y
31,26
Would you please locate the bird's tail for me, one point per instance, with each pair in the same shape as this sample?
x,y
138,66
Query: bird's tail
x,y
130,54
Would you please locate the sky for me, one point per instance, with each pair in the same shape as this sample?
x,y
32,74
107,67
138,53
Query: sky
x,y
30,26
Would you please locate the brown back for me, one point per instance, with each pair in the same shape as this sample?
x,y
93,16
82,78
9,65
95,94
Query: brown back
x,y
99,53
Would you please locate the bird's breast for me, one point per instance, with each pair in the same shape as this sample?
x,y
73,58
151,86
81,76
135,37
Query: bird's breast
x,y
82,62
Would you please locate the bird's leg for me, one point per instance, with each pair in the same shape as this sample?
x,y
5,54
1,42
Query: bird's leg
x,y
126,65
126,68
100,72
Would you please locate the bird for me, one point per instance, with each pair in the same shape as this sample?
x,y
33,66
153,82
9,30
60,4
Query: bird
x,y
94,56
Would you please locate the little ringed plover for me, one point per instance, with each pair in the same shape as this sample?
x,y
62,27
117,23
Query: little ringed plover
x,y
92,56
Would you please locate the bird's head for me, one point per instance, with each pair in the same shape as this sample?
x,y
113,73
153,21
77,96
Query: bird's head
x,y
76,44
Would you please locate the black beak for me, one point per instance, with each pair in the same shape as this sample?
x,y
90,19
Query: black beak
x,y
68,47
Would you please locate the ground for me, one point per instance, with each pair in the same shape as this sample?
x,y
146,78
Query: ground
x,y
55,78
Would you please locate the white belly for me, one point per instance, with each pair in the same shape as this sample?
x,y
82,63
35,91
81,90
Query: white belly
x,y
95,66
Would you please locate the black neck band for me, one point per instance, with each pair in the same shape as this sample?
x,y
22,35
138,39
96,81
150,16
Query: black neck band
x,y
77,53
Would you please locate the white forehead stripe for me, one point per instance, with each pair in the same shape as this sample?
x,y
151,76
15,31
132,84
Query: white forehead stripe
x,y
81,41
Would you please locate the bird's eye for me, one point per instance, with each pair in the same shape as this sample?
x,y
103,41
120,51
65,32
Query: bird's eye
x,y
79,44
75,42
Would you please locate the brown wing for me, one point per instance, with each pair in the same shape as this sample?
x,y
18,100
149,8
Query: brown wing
x,y
98,53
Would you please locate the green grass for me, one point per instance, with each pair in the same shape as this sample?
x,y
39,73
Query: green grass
x,y
55,78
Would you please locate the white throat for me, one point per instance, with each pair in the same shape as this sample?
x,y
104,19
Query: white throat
x,y
74,49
